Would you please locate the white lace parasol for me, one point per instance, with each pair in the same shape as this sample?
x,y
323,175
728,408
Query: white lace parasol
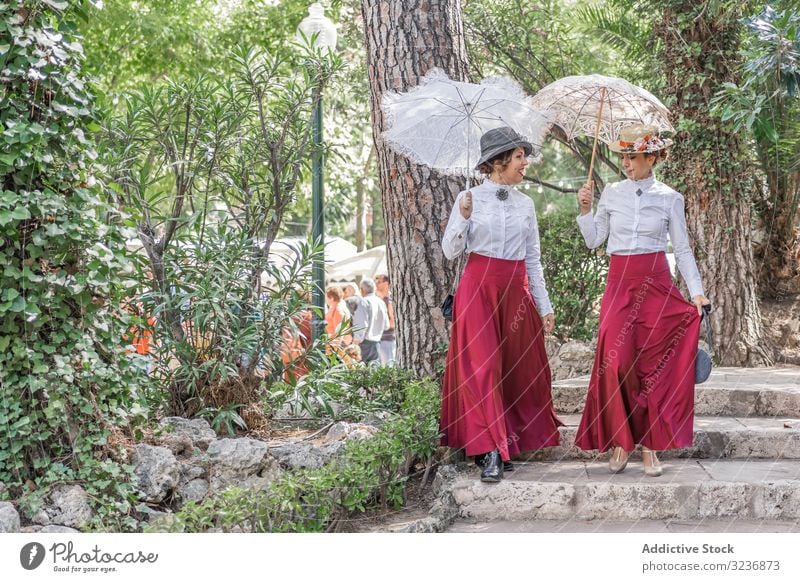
x,y
577,101
439,122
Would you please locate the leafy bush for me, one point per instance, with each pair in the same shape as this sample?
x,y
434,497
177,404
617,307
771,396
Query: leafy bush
x,y
372,472
231,330
334,390
65,375
208,168
575,275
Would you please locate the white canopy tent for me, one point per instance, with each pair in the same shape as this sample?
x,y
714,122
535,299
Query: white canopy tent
x,y
364,264
285,250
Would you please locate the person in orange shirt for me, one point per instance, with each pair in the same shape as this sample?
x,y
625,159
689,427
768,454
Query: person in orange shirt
x,y
336,314
140,335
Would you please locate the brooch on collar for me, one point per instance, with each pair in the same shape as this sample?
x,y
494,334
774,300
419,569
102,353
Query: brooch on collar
x,y
502,194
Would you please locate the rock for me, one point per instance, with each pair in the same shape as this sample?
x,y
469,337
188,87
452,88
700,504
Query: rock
x,y
190,472
66,505
315,454
193,485
305,455
577,354
241,462
574,358
179,444
198,430
157,472
537,500
149,513
377,418
58,529
194,490
344,430
9,518
551,346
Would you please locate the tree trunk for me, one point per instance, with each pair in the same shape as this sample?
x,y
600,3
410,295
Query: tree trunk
x,y
361,203
376,231
404,40
710,167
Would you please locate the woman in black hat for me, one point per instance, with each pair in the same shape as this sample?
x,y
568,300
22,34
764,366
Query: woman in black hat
x,y
496,398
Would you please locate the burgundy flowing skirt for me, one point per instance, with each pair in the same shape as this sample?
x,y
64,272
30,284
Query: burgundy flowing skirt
x,y
496,389
642,385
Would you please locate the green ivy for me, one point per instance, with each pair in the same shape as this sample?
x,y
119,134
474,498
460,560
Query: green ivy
x,y
695,71
65,377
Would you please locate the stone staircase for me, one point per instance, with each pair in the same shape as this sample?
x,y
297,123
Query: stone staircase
x,y
742,472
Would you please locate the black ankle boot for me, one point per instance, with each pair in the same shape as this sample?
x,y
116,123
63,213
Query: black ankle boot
x,y
492,468
480,460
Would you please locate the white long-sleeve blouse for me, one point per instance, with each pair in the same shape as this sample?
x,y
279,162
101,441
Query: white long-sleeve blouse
x,y
636,216
501,229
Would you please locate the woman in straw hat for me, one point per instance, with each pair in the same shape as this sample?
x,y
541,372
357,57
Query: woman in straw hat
x,y
642,385
496,398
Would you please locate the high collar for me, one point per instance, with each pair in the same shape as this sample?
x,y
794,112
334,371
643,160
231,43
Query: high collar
x,y
643,184
491,183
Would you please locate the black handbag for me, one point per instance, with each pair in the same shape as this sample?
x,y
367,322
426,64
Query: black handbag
x,y
447,304
447,307
703,364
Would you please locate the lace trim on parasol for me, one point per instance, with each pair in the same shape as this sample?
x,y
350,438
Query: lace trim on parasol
x,y
438,75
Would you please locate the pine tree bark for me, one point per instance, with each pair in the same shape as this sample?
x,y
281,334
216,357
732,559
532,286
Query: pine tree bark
x,y
710,166
404,40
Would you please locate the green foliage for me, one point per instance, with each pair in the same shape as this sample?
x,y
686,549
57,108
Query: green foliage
x,y
313,394
766,104
371,472
129,42
226,417
332,390
627,28
65,376
575,275
208,167
232,330
700,52
135,45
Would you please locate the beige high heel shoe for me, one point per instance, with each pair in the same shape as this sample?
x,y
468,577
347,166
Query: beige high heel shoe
x,y
618,460
654,469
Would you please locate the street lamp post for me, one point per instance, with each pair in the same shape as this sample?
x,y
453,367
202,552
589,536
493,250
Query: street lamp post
x,y
321,29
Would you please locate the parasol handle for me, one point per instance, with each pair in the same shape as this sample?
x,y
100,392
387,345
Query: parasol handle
x,y
597,131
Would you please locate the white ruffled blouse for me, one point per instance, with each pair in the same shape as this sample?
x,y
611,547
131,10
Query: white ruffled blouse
x,y
636,216
501,229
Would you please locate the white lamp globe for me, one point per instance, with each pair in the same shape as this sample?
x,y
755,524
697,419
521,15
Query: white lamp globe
x,y
317,23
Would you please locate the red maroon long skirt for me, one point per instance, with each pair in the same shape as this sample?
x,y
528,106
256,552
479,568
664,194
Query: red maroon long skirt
x,y
496,390
642,385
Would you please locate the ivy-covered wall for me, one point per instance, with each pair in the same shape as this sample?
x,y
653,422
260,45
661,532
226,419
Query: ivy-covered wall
x,y
65,376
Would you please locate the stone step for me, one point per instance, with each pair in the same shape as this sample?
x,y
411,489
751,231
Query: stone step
x,y
714,525
714,437
689,489
728,392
